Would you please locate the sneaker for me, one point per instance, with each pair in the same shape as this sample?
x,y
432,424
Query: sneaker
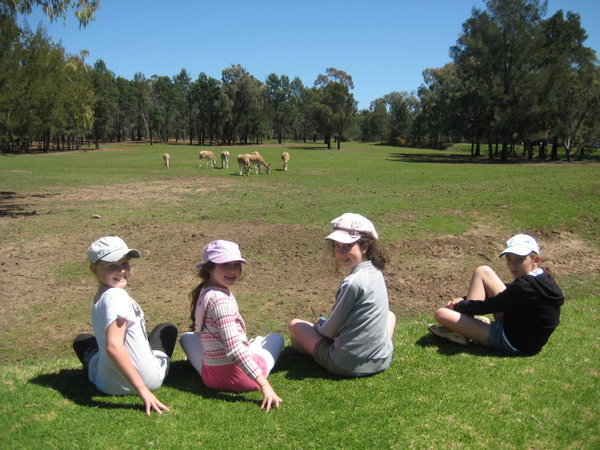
x,y
447,333
85,346
484,319
163,338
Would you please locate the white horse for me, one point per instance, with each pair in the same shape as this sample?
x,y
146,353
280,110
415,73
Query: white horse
x,y
167,160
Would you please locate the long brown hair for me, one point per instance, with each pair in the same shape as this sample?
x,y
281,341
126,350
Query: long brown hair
x,y
204,274
374,253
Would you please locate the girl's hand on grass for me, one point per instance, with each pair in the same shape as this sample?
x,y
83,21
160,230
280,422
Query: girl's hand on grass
x,y
152,403
270,398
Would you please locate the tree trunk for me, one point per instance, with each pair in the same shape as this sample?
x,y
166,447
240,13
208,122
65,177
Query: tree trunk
x,y
554,152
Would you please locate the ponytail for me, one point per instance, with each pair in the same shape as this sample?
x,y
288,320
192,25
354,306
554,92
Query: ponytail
x,y
550,272
204,274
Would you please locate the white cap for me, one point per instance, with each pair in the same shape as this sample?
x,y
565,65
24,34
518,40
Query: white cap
x,y
110,249
350,227
522,245
220,252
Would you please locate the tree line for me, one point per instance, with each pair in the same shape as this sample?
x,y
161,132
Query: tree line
x,y
515,79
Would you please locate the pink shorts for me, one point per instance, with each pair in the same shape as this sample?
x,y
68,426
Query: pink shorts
x,y
230,377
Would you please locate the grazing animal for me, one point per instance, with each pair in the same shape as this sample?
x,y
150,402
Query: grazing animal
x,y
285,157
208,156
244,163
224,159
257,161
167,160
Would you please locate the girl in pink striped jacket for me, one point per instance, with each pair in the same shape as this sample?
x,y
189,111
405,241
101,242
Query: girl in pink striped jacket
x,y
218,347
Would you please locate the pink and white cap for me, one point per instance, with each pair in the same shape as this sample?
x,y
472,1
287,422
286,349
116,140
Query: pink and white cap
x,y
220,252
350,227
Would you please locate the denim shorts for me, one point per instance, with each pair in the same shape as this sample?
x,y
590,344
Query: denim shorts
x,y
497,339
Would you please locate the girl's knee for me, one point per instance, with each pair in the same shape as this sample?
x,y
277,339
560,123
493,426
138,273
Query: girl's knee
x,y
275,339
293,325
441,314
483,270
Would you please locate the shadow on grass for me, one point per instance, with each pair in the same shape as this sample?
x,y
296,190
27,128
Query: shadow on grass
x,y
182,376
445,158
300,367
448,348
74,385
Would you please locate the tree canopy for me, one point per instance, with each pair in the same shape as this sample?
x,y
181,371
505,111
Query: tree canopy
x,y
516,77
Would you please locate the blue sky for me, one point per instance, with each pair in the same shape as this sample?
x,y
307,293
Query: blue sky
x,y
383,44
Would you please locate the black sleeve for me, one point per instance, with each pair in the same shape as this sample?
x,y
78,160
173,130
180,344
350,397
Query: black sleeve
x,y
507,300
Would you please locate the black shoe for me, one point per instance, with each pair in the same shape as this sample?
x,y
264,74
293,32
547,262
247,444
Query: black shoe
x,y
85,346
164,338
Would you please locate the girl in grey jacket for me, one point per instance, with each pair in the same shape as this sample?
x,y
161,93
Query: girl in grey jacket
x,y
355,339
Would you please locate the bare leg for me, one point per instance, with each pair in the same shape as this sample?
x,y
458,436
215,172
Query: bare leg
x,y
463,324
391,323
484,283
304,337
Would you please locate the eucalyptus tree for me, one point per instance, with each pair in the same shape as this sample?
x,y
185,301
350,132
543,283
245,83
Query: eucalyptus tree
x,y
302,123
208,101
184,104
162,105
142,90
83,10
243,92
105,101
337,110
373,123
125,118
496,57
12,84
568,83
41,108
279,94
401,111
78,101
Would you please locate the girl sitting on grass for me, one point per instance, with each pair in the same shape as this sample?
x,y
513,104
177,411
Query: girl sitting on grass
x,y
120,359
355,340
218,347
526,311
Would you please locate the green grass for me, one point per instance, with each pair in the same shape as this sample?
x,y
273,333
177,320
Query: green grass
x,y
377,180
434,395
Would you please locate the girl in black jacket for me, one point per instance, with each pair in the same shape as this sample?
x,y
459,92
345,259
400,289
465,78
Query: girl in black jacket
x,y
526,311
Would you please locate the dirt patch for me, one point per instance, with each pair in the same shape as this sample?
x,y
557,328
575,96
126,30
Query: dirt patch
x,y
47,289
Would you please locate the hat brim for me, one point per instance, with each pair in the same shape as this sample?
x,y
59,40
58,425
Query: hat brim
x,y
343,237
518,250
117,255
222,260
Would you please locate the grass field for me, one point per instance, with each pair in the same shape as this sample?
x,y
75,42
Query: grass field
x,y
439,215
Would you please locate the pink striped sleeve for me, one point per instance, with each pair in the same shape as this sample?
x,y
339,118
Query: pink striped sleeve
x,y
233,335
